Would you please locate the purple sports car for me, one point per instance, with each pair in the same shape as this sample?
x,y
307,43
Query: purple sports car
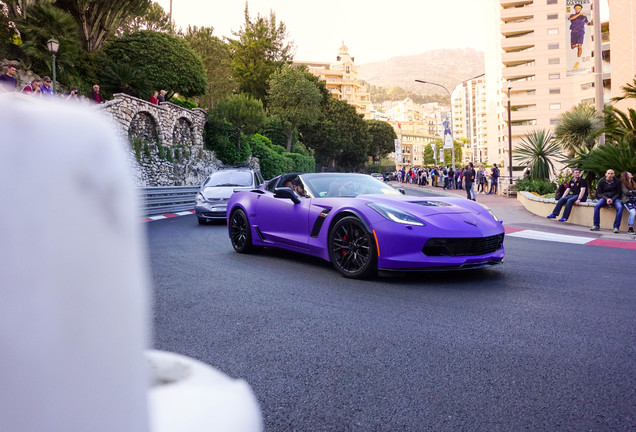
x,y
362,225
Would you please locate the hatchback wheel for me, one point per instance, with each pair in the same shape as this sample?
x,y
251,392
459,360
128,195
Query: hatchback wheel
x,y
352,249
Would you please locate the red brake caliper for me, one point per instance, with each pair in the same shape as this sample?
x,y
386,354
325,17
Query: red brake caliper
x,y
344,242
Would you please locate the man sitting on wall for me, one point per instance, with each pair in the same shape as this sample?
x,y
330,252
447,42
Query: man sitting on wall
x,y
575,193
608,191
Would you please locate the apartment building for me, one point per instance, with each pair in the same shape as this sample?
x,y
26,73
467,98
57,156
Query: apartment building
x,y
468,101
341,78
529,57
623,35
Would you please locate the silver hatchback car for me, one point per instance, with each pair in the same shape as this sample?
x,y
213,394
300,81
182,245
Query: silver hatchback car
x,y
211,200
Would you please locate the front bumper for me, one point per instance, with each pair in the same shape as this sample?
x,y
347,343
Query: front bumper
x,y
211,211
402,248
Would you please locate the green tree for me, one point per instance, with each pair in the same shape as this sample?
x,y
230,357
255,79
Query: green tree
x,y
340,137
293,99
216,58
428,155
539,149
166,61
578,128
448,153
154,18
98,19
620,157
620,126
124,78
17,9
629,91
244,113
382,138
259,50
42,22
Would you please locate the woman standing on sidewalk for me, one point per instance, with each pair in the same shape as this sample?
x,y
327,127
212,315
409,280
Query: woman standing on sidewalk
x,y
628,188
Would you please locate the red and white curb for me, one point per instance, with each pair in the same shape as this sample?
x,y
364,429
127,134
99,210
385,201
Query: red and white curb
x,y
563,238
167,216
510,232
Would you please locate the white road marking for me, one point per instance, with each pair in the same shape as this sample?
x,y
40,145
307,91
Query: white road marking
x,y
540,235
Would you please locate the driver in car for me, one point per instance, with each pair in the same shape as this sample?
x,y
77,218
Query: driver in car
x,y
297,186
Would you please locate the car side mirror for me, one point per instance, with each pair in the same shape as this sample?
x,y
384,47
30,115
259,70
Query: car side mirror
x,y
285,192
402,191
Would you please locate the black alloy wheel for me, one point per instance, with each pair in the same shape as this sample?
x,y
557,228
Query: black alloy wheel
x,y
352,249
240,233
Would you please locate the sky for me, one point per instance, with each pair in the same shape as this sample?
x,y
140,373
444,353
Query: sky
x,y
372,30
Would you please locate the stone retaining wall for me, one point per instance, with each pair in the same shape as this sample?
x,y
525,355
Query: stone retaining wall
x,y
582,214
166,141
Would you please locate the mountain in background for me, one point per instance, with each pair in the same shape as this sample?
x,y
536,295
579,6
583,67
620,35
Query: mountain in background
x,y
445,67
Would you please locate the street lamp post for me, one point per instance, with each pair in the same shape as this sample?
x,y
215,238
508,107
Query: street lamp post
x,y
451,116
53,45
509,136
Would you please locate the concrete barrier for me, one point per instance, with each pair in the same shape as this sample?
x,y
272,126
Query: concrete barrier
x,y
583,214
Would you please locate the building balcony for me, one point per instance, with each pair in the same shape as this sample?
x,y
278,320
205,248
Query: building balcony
x,y
517,57
512,28
523,117
515,3
522,87
518,42
513,13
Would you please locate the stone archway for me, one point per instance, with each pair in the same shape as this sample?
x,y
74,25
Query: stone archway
x,y
144,126
182,132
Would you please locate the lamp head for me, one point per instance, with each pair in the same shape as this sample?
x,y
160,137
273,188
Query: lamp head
x,y
53,45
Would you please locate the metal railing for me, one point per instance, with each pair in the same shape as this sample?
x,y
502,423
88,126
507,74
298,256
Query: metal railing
x,y
166,199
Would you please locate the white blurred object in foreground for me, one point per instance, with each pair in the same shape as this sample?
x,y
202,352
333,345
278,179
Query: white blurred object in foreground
x,y
74,318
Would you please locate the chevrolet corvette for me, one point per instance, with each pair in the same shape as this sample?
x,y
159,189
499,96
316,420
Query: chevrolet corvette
x,y
362,225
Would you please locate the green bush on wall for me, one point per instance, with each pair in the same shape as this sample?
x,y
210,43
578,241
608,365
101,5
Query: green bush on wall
x,y
541,187
274,162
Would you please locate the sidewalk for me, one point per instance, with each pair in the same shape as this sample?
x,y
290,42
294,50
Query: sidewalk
x,y
516,218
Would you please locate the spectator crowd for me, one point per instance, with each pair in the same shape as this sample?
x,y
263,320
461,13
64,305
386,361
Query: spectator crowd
x,y
44,89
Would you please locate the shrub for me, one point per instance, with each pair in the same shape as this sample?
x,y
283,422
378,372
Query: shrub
x,y
167,62
183,102
541,187
275,160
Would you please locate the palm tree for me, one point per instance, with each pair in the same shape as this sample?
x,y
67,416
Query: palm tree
x,y
43,22
629,91
539,149
578,128
620,127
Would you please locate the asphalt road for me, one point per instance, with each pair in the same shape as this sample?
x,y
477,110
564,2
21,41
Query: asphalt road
x,y
544,342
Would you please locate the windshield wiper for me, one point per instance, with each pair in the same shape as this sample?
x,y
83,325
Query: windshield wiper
x,y
226,184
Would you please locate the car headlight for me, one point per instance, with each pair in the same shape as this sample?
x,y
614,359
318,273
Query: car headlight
x,y
199,199
396,215
494,216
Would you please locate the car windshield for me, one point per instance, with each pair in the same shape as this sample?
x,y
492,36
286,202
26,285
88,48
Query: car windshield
x,y
229,178
345,185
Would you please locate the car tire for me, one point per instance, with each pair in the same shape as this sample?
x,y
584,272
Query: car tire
x,y
240,232
202,221
352,249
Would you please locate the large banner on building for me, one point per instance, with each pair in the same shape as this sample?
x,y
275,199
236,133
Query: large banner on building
x,y
578,59
398,151
448,134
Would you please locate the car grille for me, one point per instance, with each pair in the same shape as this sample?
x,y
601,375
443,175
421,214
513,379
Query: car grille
x,y
213,214
463,246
